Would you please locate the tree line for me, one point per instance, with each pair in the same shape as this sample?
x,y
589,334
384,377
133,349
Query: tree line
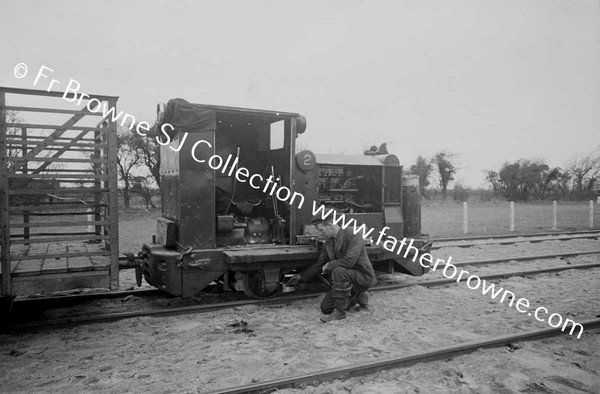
x,y
138,170
533,179
521,180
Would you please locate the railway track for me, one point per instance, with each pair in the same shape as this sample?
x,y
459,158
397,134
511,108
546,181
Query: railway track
x,y
504,236
61,300
110,317
512,239
55,300
365,368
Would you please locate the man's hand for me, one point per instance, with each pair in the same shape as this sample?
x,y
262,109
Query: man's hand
x,y
294,280
324,268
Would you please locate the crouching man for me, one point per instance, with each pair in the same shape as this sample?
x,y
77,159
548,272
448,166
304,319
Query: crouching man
x,y
345,261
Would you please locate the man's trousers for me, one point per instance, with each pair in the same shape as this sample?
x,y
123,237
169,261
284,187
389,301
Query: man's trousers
x,y
344,288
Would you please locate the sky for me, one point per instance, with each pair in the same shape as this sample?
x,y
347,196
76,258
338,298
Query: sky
x,y
490,81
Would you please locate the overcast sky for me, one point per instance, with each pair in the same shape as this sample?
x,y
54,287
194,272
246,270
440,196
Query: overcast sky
x,y
489,80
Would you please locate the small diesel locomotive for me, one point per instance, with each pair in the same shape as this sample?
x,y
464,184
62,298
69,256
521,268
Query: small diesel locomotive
x,y
237,201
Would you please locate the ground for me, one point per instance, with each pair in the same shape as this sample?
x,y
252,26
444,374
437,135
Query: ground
x,y
200,353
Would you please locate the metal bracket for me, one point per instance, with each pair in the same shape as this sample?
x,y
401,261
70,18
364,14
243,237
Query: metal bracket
x,y
271,278
198,263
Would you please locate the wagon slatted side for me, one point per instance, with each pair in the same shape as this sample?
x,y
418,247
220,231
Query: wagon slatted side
x,y
58,194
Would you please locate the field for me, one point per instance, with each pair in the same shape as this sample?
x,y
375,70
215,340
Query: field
x,y
136,226
445,220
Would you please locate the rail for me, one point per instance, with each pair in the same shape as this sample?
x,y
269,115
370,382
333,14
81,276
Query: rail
x,y
109,317
365,368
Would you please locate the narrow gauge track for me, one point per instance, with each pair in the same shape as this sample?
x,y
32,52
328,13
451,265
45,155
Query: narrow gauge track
x,y
110,317
501,236
61,300
510,240
397,362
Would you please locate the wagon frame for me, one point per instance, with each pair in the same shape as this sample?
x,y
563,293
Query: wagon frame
x,y
58,198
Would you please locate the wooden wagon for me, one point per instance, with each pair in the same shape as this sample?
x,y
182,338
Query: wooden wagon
x,y
58,195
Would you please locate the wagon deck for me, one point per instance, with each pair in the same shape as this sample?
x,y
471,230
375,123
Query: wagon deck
x,y
58,266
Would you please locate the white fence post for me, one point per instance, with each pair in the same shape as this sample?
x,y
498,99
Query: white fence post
x,y
512,216
591,213
554,215
465,218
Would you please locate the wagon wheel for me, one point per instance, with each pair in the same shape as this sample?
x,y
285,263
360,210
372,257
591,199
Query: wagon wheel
x,y
6,304
256,286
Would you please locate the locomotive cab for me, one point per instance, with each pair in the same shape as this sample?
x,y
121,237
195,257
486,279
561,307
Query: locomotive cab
x,y
228,199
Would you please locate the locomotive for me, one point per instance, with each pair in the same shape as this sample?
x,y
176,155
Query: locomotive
x,y
237,201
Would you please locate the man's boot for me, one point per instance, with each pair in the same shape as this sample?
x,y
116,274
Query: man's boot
x,y
336,315
341,293
363,300
361,303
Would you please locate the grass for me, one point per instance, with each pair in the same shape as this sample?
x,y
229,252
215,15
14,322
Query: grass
x,y
136,227
446,220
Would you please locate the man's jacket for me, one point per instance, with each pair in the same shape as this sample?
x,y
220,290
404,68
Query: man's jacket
x,y
347,251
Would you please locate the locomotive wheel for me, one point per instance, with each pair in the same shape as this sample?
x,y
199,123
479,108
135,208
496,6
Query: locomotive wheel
x,y
255,285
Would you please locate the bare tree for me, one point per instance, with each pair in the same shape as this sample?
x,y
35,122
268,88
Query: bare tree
x,y
562,183
128,158
149,152
585,170
446,169
142,186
